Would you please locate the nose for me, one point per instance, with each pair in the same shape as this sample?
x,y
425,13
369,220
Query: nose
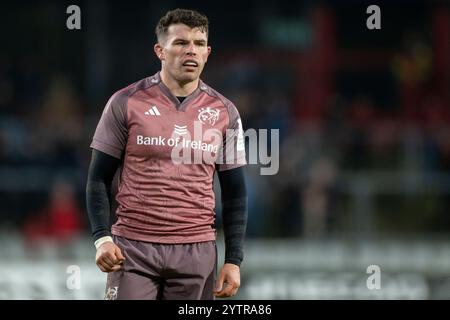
x,y
191,50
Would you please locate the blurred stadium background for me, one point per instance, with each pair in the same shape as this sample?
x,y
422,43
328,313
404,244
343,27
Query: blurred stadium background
x,y
364,119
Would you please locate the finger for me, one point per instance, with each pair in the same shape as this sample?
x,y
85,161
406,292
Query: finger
x,y
109,269
119,254
116,267
228,290
231,289
114,258
103,267
219,283
220,294
111,256
107,266
225,292
107,261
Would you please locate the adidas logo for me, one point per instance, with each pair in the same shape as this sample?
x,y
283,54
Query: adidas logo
x,y
152,111
180,130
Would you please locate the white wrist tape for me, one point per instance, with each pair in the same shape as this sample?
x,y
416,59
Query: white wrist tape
x,y
102,240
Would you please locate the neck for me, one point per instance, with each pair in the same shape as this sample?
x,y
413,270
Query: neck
x,y
178,89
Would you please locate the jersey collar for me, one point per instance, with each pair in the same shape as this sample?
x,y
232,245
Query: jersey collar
x,y
180,106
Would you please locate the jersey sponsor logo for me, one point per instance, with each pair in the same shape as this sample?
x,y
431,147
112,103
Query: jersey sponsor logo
x,y
208,115
177,142
150,141
180,130
152,111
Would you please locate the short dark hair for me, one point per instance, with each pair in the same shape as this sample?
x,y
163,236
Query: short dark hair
x,y
191,18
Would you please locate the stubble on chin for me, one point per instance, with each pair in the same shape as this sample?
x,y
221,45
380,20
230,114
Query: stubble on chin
x,y
186,78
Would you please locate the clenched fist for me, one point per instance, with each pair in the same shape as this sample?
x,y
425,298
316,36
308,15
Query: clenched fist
x,y
229,281
109,257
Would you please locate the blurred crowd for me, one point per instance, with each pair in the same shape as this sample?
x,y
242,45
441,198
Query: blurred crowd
x,y
341,121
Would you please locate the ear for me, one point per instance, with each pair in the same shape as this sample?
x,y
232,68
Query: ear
x,y
209,52
159,51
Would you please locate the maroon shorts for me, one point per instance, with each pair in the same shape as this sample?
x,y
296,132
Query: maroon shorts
x,y
155,271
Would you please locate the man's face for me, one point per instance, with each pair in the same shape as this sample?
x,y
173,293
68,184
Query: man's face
x,y
183,52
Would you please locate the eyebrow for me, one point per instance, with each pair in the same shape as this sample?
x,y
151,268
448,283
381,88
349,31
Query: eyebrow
x,y
184,40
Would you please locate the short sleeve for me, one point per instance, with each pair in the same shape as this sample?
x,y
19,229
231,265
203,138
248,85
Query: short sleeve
x,y
111,134
232,153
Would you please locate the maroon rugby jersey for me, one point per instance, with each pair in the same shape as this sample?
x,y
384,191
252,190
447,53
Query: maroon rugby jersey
x,y
169,153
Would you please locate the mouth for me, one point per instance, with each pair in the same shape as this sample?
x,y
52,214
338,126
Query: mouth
x,y
190,63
